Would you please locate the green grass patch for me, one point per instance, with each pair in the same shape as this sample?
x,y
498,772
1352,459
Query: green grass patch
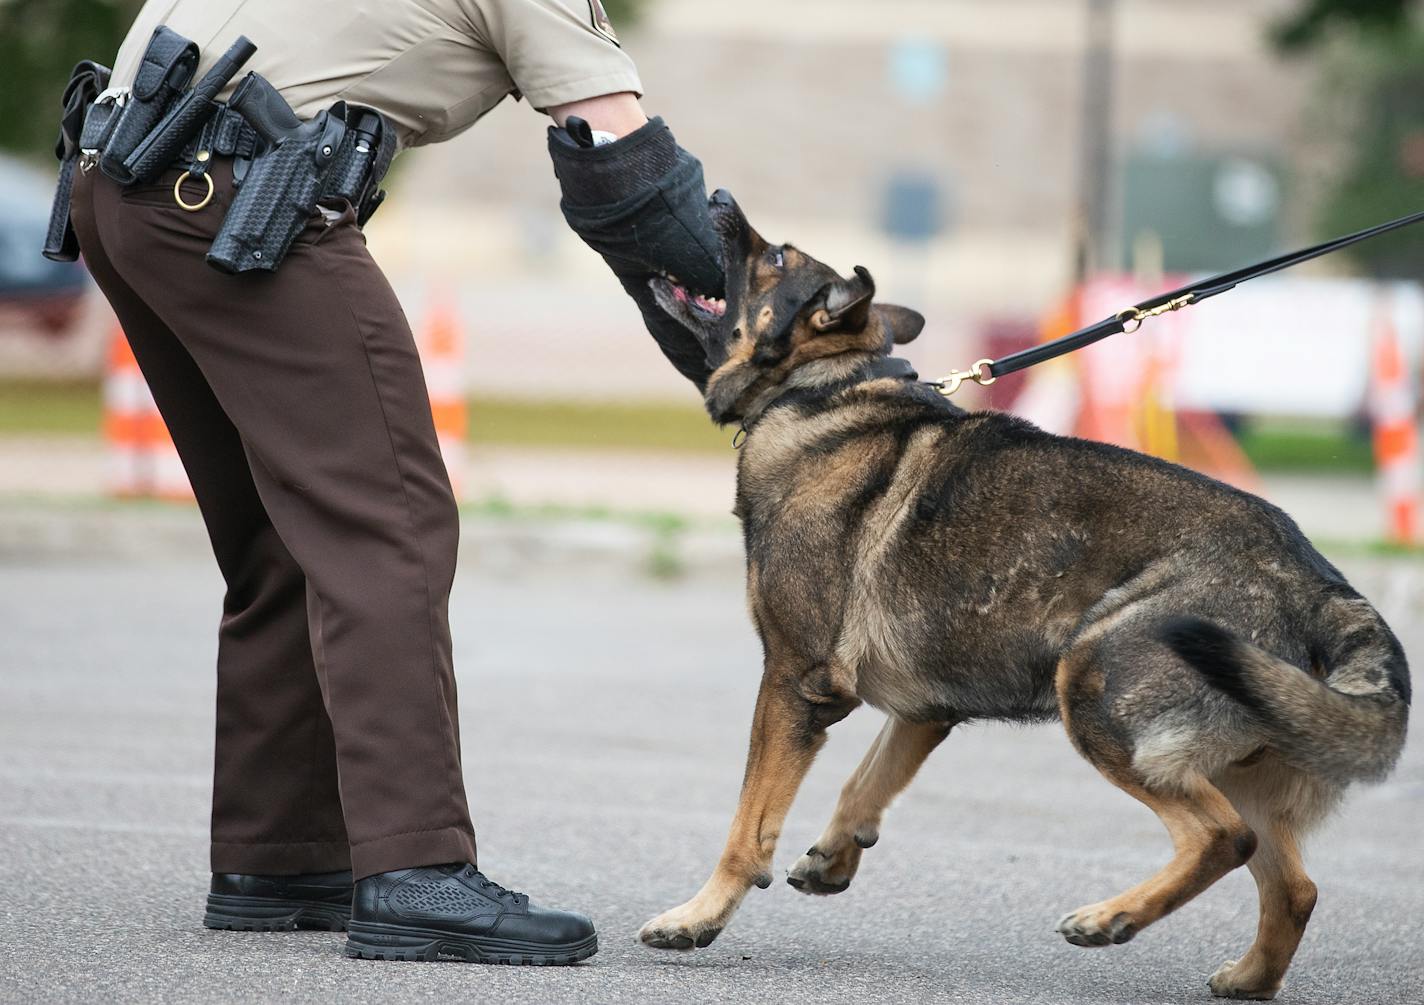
x,y
609,425
1313,447
73,409
663,522
1369,548
49,408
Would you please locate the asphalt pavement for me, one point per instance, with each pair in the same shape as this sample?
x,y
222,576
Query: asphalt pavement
x,y
605,716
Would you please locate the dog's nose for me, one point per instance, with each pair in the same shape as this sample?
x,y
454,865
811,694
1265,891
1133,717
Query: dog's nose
x,y
721,197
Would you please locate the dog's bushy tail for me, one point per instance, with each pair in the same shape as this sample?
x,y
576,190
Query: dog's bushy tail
x,y
1348,727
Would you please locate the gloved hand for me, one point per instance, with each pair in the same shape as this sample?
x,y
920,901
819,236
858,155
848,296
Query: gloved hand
x,y
641,203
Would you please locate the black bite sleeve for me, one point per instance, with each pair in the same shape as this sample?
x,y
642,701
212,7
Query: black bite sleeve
x,y
641,203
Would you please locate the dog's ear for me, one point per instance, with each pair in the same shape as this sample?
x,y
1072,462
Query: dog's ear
x,y
845,303
901,324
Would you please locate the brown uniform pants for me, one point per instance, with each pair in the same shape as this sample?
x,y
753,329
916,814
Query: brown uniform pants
x,y
299,408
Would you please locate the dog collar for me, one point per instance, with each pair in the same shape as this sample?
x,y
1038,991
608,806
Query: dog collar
x,y
880,368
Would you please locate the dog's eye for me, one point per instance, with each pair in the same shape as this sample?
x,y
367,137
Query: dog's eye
x,y
776,258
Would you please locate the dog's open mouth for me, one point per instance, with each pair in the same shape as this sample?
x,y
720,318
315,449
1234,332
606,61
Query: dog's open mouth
x,y
697,312
704,306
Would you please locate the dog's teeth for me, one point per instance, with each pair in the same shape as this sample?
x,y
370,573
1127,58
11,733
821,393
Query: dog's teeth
x,y
710,305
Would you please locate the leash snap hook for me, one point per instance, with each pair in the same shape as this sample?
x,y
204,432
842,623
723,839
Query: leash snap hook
x,y
978,373
1134,316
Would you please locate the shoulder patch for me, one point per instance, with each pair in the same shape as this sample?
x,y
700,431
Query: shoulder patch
x,y
602,23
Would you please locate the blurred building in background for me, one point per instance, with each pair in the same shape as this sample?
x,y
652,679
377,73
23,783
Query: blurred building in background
x,y
938,142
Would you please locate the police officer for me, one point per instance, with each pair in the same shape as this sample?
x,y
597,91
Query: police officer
x,y
296,401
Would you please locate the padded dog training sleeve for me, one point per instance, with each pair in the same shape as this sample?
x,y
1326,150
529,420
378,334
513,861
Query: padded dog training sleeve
x,y
641,203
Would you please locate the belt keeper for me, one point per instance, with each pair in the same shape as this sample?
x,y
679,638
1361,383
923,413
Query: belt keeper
x,y
204,147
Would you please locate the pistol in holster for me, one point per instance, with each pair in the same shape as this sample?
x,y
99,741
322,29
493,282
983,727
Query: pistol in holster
x,y
340,154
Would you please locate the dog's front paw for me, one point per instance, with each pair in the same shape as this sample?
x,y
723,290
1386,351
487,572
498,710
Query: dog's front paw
x,y
829,865
681,928
1098,925
1230,982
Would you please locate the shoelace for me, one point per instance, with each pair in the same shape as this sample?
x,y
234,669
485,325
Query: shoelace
x,y
489,885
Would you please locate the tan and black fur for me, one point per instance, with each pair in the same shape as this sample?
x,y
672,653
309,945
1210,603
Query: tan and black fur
x,y
946,566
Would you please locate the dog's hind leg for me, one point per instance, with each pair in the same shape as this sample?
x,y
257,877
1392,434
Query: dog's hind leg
x,y
1287,899
888,766
1280,803
1209,837
793,710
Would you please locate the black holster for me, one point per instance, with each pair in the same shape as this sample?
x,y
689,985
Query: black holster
x,y
362,162
168,65
186,117
85,84
340,154
278,195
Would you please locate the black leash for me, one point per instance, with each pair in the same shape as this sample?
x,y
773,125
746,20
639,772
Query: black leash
x,y
986,371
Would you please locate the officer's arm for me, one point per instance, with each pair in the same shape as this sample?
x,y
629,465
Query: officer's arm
x,y
640,201
615,114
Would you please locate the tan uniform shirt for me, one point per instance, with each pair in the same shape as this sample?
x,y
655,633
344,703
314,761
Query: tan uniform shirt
x,y
433,67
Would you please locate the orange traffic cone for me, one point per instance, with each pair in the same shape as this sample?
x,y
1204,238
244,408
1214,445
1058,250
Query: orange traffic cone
x,y
127,406
442,353
142,461
1396,437
169,480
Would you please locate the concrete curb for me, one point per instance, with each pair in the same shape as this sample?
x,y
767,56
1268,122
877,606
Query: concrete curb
x,y
46,531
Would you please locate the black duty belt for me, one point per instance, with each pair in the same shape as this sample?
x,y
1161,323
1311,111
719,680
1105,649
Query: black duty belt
x,y
283,168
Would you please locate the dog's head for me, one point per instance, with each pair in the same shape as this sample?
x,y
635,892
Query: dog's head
x,y
784,310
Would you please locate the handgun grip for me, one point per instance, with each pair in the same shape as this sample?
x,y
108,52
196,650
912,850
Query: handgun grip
x,y
264,109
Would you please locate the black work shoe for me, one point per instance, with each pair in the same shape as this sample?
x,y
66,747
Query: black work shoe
x,y
279,903
452,910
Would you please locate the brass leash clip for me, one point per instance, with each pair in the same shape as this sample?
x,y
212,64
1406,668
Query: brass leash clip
x,y
978,373
1134,317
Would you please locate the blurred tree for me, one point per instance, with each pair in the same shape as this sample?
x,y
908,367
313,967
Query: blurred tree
x,y
624,12
1316,17
40,41
1378,93
1372,55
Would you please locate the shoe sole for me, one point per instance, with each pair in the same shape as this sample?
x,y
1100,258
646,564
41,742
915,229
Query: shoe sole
x,y
266,914
370,941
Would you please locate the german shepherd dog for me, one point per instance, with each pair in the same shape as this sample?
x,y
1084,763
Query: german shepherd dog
x,y
946,566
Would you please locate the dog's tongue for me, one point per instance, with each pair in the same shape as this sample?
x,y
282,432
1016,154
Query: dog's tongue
x,y
711,306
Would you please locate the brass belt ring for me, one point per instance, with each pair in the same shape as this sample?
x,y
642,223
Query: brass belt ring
x,y
191,207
